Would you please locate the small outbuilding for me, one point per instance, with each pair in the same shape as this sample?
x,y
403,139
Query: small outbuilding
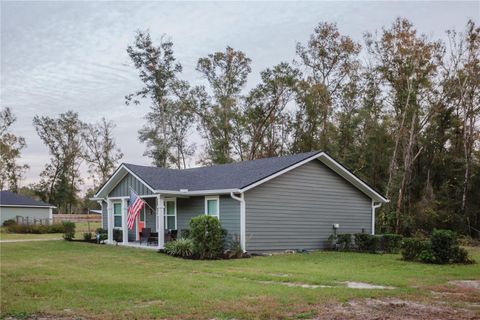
x,y
21,208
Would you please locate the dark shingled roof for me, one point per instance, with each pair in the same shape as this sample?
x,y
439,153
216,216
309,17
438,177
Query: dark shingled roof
x,y
8,198
226,176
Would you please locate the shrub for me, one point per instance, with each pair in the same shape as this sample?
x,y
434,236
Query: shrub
x,y
35,229
460,255
207,236
185,233
39,229
332,242
56,228
69,230
426,255
344,241
367,242
413,247
87,236
9,222
102,234
444,244
391,243
182,247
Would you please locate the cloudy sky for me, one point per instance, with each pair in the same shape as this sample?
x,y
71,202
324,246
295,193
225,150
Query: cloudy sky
x,y
59,56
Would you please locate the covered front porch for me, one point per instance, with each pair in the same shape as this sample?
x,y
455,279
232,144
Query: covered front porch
x,y
155,224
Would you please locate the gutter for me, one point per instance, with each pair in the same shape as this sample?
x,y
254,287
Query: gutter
x,y
374,206
241,199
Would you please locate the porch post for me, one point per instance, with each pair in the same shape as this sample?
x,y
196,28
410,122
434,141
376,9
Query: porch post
x,y
124,221
110,220
160,221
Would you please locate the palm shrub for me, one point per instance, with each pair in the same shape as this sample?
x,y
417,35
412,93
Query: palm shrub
x,y
207,236
182,247
69,230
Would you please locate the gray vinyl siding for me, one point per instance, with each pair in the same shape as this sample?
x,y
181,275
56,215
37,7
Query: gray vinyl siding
x,y
7,213
296,210
122,189
151,215
188,208
230,215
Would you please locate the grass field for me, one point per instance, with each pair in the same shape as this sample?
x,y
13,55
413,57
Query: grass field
x,y
59,278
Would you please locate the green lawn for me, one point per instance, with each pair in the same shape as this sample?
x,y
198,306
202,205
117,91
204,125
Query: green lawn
x,y
74,278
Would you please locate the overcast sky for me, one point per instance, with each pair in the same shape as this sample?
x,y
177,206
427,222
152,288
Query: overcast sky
x,y
59,56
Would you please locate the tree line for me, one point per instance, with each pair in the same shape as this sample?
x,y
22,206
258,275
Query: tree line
x,y
399,109
70,143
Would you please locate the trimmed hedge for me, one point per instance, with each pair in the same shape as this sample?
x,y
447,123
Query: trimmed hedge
x,y
36,228
344,241
391,243
367,242
364,242
412,248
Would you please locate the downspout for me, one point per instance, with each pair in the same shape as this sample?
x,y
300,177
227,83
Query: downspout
x,y
241,199
374,206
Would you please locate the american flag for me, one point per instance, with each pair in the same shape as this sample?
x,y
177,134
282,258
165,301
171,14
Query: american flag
x,y
135,204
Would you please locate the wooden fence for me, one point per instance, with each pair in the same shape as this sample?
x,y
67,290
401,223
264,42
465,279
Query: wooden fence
x,y
77,217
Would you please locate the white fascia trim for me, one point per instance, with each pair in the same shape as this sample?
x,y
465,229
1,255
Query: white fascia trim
x,y
25,206
374,206
197,192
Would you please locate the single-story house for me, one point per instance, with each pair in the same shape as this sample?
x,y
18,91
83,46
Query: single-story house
x,y
290,202
21,208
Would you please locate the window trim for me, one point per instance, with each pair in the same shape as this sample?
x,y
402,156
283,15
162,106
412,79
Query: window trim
x,y
117,215
207,198
174,200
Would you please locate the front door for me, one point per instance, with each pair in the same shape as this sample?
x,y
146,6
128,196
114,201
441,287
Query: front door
x,y
141,220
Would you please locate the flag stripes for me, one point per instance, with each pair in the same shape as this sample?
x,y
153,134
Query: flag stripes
x,y
135,204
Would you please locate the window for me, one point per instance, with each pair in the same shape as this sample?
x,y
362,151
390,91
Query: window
x,y
212,206
171,214
117,215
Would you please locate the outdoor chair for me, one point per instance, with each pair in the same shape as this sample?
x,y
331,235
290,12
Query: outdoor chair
x,y
145,235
